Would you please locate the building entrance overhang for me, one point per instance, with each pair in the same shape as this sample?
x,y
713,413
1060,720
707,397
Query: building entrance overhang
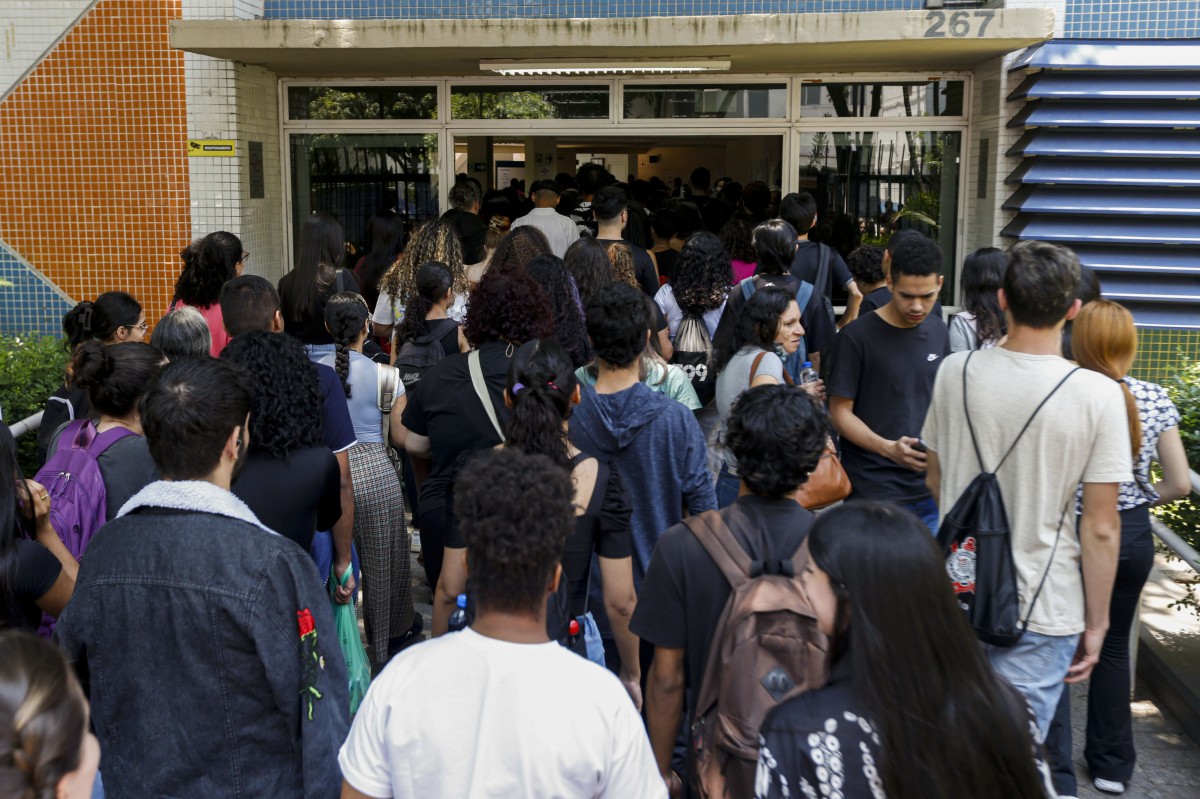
x,y
753,44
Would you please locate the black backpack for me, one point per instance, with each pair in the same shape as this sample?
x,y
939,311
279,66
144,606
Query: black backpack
x,y
694,355
978,545
418,355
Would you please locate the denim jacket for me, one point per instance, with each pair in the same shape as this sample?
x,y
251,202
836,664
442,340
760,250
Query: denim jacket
x,y
209,646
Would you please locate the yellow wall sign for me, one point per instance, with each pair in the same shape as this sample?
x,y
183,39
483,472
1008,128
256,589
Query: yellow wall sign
x,y
219,148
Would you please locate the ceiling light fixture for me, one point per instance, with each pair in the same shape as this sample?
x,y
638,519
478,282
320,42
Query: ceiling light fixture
x,y
605,66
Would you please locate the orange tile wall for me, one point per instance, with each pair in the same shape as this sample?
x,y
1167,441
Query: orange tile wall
x,y
93,175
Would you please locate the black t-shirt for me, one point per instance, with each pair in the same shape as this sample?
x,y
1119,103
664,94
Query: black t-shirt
x,y
684,592
336,426
445,408
666,260
295,496
37,569
604,529
643,266
881,297
471,231
64,405
888,371
807,261
819,329
311,328
125,467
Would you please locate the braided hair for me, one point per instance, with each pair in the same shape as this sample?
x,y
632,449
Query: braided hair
x,y
346,318
541,382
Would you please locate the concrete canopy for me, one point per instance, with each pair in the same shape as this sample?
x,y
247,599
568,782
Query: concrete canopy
x,y
901,41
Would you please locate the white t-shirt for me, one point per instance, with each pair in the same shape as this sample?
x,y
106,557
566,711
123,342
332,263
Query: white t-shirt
x,y
560,230
389,312
1081,435
469,716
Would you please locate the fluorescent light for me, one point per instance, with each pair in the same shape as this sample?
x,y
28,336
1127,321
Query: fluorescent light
x,y
605,66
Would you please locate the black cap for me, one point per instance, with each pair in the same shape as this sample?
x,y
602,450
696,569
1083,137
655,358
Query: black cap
x,y
544,185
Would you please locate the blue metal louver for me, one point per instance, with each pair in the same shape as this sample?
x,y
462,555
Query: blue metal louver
x,y
1110,166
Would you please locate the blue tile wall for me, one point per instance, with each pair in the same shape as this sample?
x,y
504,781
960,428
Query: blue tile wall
x,y
553,9
30,304
1132,19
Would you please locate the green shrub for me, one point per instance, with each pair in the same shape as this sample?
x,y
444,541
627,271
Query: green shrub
x,y
1184,516
31,369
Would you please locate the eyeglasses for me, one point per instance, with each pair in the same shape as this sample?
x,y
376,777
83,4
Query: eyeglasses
x,y
245,257
142,327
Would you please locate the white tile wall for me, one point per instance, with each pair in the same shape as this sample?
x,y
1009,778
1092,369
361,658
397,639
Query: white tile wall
x,y
29,29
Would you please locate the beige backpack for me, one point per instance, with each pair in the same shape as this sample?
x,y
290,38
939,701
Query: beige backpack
x,y
766,648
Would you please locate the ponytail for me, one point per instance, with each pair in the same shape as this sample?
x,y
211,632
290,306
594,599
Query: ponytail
x,y
1104,340
345,316
99,320
541,383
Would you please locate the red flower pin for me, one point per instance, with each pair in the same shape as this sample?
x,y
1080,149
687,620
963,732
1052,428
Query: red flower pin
x,y
305,620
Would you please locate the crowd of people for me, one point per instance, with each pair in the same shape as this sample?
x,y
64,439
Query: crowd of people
x,y
688,531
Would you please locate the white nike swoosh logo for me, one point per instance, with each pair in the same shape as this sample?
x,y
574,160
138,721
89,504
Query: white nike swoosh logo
x,y
932,356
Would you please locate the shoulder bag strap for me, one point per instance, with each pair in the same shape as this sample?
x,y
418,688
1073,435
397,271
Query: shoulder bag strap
x,y
754,368
388,381
717,539
481,391
825,254
339,281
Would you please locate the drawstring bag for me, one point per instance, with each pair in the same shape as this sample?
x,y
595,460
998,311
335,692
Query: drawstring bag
x,y
345,619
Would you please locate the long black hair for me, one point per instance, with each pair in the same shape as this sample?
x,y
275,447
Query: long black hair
x,y
982,278
207,264
322,251
346,317
569,327
757,324
434,279
948,724
100,318
116,377
774,247
703,274
587,262
14,494
541,382
386,238
285,405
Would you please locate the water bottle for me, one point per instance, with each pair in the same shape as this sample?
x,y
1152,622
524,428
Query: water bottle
x,y
808,374
458,619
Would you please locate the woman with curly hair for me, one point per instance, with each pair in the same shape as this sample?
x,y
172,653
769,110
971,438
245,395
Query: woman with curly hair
x,y
737,237
519,248
318,275
380,532
435,241
588,264
46,749
286,443
569,326
446,416
701,284
208,263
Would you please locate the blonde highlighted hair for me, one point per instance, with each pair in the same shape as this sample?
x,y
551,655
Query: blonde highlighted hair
x,y
1104,340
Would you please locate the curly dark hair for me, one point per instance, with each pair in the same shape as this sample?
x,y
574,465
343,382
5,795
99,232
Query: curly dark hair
x,y
703,274
866,264
517,249
346,317
285,400
587,261
569,327
737,237
541,381
621,257
508,306
207,264
433,281
777,433
617,321
514,511
435,241
116,376
758,322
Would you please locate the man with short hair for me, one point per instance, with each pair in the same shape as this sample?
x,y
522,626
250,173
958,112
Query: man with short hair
x,y
1080,435
207,637
800,211
250,302
700,180
881,380
498,709
777,435
655,441
610,207
879,293
463,216
560,231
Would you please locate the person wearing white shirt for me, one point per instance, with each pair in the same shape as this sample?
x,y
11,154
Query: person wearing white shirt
x,y
499,709
560,231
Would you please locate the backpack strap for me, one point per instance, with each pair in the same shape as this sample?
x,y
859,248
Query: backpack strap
x,y
389,384
804,294
748,287
85,436
481,391
339,281
718,541
824,254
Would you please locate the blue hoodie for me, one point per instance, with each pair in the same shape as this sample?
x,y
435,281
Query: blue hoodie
x,y
659,450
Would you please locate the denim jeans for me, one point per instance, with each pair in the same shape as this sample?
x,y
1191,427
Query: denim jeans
x,y
1036,666
728,486
926,510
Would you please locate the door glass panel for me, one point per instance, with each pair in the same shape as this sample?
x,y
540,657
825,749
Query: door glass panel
x,y
869,184
354,175
529,102
705,101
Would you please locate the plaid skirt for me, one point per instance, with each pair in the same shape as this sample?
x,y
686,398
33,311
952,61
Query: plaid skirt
x,y
384,547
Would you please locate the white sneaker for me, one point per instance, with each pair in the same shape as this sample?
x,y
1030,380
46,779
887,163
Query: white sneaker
x,y
1109,786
